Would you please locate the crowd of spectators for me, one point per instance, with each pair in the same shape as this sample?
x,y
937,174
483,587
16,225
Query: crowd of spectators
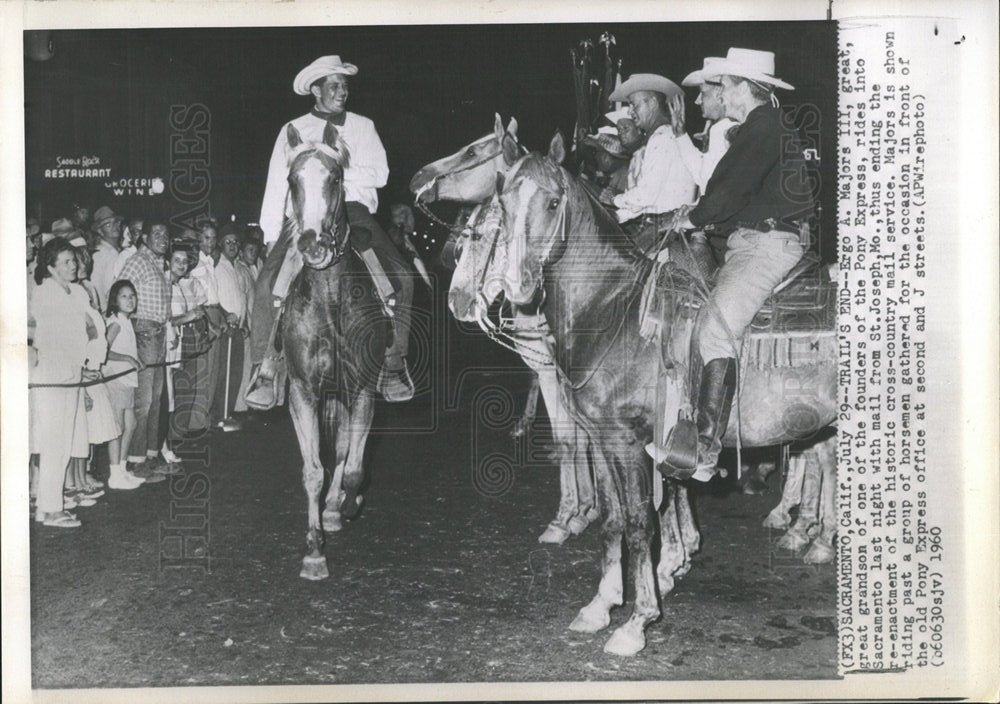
x,y
128,319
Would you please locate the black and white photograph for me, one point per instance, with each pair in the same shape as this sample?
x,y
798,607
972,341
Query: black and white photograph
x,y
525,355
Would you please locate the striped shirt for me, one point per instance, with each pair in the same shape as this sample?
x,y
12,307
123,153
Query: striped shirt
x,y
145,271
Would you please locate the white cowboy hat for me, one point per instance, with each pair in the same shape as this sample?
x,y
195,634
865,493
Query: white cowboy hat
x,y
321,68
747,63
620,114
644,81
697,78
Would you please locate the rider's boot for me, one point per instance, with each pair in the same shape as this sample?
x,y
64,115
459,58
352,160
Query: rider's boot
x,y
262,389
394,382
715,401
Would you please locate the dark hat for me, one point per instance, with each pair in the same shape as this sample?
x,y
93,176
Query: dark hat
x,y
104,214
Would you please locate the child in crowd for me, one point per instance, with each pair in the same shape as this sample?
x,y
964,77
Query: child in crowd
x,y
122,356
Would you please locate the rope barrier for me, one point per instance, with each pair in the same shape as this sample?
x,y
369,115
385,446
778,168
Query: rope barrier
x,y
103,379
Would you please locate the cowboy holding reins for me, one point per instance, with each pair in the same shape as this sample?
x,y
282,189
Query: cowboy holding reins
x,y
326,80
756,201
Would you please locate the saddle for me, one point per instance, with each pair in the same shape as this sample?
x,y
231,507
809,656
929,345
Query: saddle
x,y
805,301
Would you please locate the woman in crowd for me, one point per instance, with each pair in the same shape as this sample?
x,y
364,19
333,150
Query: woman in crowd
x,y
61,330
122,356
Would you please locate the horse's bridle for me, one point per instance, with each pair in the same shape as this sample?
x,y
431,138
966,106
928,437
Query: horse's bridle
x,y
430,184
341,226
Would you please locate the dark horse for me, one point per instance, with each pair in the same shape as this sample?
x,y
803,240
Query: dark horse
x,y
334,335
562,245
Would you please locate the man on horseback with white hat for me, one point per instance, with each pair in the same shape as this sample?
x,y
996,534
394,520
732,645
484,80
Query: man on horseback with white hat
x,y
326,80
701,161
755,207
662,181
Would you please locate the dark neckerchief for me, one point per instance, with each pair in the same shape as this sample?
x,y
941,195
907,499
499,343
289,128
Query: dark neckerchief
x,y
337,119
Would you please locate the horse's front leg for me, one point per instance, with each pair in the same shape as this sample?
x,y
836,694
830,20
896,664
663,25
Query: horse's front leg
x,y
303,407
596,616
338,434
690,535
530,408
362,412
672,549
821,550
564,436
636,473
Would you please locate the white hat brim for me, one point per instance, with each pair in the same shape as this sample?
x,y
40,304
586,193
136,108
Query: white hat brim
x,y
320,69
645,81
731,68
620,114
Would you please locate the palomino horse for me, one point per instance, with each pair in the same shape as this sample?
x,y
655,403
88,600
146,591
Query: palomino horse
x,y
334,334
562,245
469,176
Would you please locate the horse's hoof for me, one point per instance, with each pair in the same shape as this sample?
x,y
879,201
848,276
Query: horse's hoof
x,y
590,621
777,520
351,504
683,569
554,534
793,542
625,642
314,568
577,524
818,554
332,522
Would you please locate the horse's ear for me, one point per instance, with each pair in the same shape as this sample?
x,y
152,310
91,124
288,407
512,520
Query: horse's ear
x,y
294,138
498,127
557,148
510,149
330,135
512,127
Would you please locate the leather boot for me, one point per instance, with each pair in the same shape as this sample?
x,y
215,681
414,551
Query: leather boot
x,y
715,401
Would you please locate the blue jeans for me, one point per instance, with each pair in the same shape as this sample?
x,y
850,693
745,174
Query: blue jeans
x,y
151,343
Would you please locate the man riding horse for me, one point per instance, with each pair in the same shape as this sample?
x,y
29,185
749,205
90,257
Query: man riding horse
x,y
754,210
326,80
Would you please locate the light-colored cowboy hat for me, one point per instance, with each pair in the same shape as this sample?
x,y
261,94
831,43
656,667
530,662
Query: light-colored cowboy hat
x,y
615,115
63,227
321,68
104,214
607,142
644,81
697,78
747,63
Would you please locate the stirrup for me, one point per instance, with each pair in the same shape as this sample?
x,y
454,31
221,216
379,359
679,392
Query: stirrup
x,y
678,457
396,385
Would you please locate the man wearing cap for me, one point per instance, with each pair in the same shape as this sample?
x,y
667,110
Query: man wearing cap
x,y
715,140
758,200
235,286
108,228
662,181
326,80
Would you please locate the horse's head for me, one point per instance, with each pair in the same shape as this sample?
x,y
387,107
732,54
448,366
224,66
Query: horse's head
x,y
535,226
478,276
316,195
467,176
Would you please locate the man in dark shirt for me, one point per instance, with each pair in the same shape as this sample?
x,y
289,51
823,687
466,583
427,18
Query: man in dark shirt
x,y
753,209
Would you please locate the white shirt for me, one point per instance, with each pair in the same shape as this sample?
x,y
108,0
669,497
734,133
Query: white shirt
x,y
204,273
103,274
368,169
235,287
662,183
700,164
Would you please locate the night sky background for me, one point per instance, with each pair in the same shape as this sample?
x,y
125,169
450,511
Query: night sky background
x,y
429,89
